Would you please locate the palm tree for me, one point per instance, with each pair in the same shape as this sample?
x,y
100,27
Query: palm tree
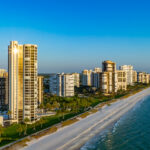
x,y
55,105
9,113
20,129
48,106
1,130
63,109
26,120
41,122
34,126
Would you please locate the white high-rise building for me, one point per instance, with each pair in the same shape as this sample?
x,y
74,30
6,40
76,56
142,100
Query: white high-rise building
x,y
96,77
22,81
143,77
62,85
87,78
129,70
122,80
76,79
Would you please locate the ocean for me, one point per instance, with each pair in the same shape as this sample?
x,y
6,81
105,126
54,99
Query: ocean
x,y
130,132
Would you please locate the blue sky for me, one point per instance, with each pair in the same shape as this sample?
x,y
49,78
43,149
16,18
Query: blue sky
x,y
76,34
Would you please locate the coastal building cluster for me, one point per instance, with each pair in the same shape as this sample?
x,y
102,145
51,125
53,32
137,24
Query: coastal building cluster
x,y
108,80
22,90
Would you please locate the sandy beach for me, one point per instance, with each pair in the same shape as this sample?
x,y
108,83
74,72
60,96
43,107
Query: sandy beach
x,y
74,136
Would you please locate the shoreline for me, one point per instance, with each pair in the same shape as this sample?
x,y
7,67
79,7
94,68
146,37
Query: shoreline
x,y
76,135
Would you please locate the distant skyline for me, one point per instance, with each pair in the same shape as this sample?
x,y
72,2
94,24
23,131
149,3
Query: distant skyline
x,y
73,35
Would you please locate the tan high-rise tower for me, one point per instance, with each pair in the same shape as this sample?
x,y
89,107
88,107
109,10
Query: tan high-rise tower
x,y
40,89
15,77
22,70
108,78
30,83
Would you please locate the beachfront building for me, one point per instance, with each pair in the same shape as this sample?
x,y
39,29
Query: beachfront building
x,y
87,77
134,76
40,89
3,87
22,80
129,71
96,77
76,79
143,77
108,78
53,84
121,80
62,85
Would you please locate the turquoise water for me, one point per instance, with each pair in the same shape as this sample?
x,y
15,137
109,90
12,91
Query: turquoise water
x,y
130,132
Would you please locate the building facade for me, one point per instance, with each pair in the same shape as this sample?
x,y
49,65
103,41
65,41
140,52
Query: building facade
x,y
76,79
62,85
143,78
108,78
122,80
3,87
40,89
30,82
22,81
87,78
96,77
129,71
134,76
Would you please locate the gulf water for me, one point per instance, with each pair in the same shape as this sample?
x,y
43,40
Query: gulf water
x,y
130,132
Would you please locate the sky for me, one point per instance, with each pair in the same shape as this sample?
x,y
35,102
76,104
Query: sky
x,y
73,35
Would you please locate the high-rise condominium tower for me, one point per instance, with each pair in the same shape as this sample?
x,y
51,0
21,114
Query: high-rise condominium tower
x,y
108,78
62,84
87,77
22,71
129,71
